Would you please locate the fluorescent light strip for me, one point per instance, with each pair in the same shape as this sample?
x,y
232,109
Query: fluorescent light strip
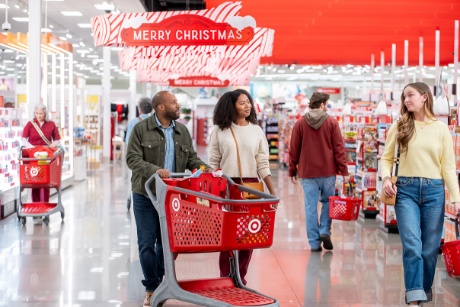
x,y
21,19
71,13
84,25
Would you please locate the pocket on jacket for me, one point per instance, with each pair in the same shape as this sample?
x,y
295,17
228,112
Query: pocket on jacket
x,y
151,151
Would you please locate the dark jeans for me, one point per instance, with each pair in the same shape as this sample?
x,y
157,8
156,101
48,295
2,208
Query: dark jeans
x,y
244,256
149,241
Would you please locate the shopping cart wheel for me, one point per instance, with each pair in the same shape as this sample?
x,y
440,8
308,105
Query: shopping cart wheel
x,y
128,203
62,215
23,220
46,220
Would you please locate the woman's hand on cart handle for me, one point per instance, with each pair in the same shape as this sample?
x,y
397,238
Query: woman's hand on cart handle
x,y
163,173
388,188
208,170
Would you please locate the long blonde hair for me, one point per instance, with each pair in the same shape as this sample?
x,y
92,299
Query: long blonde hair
x,y
406,125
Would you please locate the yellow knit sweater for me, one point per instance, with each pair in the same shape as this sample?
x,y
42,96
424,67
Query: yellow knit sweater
x,y
430,155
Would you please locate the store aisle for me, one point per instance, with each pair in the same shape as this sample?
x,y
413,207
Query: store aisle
x,y
91,259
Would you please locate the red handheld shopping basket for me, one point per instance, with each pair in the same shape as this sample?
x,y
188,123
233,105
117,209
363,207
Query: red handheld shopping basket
x,y
451,252
344,208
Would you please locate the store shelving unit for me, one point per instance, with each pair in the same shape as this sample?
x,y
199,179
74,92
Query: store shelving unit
x,y
10,142
272,133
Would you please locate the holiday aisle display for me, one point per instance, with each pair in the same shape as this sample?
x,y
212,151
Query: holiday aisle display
x,y
212,47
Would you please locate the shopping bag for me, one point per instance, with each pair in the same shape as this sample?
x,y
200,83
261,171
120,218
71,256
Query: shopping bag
x,y
257,185
389,200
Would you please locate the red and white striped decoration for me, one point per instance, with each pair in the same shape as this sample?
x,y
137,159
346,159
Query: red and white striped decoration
x,y
107,28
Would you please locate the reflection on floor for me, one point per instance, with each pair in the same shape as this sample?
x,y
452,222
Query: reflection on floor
x,y
91,259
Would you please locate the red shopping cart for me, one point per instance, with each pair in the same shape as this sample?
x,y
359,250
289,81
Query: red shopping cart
x,y
344,208
451,252
40,172
209,214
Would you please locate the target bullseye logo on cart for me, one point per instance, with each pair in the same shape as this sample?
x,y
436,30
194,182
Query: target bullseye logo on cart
x,y
34,171
254,226
176,204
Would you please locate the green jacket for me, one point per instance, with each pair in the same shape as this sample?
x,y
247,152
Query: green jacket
x,y
146,152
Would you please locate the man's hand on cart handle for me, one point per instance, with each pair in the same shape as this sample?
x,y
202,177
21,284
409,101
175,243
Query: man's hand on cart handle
x,y
163,173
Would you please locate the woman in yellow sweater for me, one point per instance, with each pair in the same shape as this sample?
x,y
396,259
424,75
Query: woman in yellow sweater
x,y
427,160
235,118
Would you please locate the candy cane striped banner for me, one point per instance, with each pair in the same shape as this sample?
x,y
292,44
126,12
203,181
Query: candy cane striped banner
x,y
107,29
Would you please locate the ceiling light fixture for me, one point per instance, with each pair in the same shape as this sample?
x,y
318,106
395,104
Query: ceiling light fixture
x,y
71,13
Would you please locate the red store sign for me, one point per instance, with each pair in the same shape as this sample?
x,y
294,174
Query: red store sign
x,y
329,90
198,82
186,30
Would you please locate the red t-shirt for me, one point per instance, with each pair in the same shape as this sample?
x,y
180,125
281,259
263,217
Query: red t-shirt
x,y
49,129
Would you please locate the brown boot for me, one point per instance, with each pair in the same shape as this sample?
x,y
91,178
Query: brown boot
x,y
148,295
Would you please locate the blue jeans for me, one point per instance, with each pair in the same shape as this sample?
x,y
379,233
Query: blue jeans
x,y
420,214
317,189
149,241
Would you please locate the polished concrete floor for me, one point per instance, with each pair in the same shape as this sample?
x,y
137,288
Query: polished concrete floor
x,y
91,259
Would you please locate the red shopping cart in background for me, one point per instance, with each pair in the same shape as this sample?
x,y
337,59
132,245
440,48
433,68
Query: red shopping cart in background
x,y
451,252
40,171
344,208
208,214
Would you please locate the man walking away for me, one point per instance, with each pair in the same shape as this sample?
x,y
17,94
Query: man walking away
x,y
316,155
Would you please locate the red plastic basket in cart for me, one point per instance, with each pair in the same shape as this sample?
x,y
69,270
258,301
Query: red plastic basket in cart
x,y
199,224
451,252
40,173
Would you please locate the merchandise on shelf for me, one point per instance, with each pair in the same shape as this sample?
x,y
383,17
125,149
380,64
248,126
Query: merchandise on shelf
x,y
10,142
272,133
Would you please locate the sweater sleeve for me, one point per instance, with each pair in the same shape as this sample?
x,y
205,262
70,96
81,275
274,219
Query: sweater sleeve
x,y
338,146
214,154
294,149
386,162
263,165
448,167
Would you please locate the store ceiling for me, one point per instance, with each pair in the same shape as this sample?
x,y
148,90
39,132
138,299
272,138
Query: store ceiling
x,y
326,32
341,32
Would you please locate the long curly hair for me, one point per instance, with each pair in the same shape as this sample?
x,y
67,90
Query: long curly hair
x,y
406,125
224,112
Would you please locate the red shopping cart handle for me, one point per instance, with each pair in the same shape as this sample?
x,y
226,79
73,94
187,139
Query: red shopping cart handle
x,y
266,198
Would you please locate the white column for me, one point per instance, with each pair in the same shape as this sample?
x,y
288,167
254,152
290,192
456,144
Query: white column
x,y
53,83
393,67
62,91
372,76
132,94
34,65
436,63
44,81
149,90
382,70
71,109
455,83
420,59
106,84
406,61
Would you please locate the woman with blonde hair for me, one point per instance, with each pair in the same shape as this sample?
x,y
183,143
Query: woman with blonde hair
x,y
40,131
427,160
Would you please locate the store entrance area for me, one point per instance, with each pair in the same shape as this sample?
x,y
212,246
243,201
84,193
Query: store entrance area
x,y
92,260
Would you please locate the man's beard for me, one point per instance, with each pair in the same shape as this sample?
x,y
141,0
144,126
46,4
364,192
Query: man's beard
x,y
172,115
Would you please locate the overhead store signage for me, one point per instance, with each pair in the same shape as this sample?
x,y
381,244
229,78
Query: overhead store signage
x,y
187,30
329,90
198,82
